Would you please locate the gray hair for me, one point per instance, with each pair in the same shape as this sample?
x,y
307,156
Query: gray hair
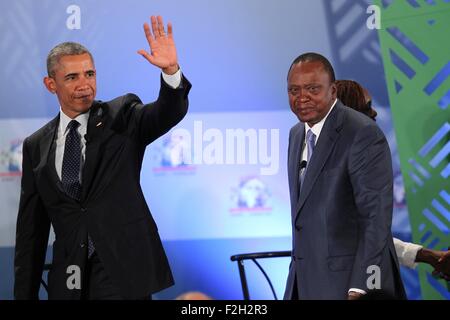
x,y
61,50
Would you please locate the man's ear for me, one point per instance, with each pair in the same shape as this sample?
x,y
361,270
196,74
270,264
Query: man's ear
x,y
50,84
334,90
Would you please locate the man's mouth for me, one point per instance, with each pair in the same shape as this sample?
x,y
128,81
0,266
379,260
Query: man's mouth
x,y
305,109
83,96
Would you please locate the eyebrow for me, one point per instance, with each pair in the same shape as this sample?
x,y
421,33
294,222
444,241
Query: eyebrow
x,y
71,74
77,73
306,85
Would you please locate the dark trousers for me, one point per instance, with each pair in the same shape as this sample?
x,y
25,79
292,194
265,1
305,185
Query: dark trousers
x,y
97,284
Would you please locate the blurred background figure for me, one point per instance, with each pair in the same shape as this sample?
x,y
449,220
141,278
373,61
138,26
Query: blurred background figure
x,y
193,295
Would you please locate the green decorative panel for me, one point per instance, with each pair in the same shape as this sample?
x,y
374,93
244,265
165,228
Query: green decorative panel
x,y
415,44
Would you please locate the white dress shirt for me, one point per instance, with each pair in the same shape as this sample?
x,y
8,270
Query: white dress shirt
x,y
62,134
316,129
173,80
406,252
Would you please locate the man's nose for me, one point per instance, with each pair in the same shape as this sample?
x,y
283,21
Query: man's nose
x,y
83,83
304,97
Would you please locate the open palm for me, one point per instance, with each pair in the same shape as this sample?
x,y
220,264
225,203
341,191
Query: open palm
x,y
163,53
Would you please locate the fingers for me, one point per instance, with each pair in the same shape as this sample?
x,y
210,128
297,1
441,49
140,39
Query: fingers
x,y
158,27
170,30
162,33
148,34
155,28
146,55
445,256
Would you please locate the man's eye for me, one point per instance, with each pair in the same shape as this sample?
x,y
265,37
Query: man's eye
x,y
293,91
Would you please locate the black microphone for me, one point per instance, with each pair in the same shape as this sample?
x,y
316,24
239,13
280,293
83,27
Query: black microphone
x,y
303,164
88,139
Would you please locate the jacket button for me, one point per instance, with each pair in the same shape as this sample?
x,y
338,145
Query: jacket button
x,y
83,209
82,245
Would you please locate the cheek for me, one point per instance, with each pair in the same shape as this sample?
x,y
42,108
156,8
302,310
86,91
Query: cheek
x,y
322,100
292,100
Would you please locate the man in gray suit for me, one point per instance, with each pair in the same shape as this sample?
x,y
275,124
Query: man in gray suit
x,y
340,181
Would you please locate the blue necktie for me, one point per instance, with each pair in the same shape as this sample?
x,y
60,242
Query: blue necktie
x,y
310,144
71,168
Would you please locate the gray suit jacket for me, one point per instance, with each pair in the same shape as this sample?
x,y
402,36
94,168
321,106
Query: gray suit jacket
x,y
341,220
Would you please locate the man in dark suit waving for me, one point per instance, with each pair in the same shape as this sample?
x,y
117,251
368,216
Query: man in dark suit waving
x,y
81,174
340,181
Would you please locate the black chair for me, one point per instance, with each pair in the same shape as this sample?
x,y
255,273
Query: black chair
x,y
47,267
240,258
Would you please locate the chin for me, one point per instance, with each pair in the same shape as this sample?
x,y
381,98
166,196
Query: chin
x,y
304,119
84,108
86,104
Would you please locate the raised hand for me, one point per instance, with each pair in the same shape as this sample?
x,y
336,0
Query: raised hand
x,y
163,53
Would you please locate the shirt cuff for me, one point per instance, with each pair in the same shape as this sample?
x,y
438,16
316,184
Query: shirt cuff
x,y
172,80
406,253
357,290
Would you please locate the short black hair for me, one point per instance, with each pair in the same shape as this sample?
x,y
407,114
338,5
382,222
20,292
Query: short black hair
x,y
313,57
61,50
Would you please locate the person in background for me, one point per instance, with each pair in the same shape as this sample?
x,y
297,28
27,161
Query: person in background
x,y
193,295
355,96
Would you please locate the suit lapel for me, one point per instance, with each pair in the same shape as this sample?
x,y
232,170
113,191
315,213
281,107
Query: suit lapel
x,y
96,124
296,149
327,139
45,146
46,141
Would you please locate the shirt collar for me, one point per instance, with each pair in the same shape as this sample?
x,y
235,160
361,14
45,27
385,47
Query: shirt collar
x,y
317,128
64,121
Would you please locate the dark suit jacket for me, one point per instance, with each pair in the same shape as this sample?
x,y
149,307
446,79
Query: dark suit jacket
x,y
341,221
112,206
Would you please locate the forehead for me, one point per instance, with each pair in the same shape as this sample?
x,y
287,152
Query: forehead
x,y
75,63
308,71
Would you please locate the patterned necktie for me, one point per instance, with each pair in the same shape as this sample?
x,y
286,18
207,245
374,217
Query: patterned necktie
x,y
310,144
71,168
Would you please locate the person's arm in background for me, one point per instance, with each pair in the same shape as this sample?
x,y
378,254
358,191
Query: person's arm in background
x,y
409,254
406,252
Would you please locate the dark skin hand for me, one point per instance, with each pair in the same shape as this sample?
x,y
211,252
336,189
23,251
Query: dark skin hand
x,y
354,295
439,260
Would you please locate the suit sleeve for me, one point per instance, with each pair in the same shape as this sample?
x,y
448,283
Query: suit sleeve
x,y
32,231
370,170
155,119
